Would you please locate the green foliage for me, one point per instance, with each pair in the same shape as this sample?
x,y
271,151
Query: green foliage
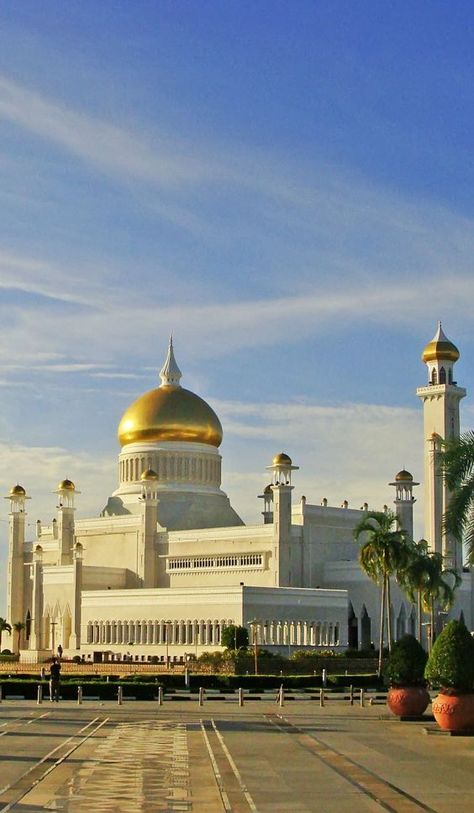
x,y
458,467
234,637
451,663
406,663
384,549
309,656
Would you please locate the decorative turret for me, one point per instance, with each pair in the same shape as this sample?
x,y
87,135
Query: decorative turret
x,y
170,373
404,500
17,496
439,355
267,498
149,480
281,469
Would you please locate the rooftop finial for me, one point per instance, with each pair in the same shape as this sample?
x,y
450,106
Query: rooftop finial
x,y
170,373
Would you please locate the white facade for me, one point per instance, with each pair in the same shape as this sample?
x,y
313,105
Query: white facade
x,y
168,562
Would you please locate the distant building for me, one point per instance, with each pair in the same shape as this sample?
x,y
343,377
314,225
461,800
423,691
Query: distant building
x,y
169,562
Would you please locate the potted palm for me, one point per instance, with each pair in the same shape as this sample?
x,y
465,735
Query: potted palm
x,y
451,668
405,673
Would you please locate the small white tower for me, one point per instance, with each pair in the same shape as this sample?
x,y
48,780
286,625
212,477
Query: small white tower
x,y
289,569
267,498
66,492
149,507
404,500
440,399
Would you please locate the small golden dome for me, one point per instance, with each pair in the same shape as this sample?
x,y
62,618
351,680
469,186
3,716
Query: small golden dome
x,y
282,459
440,348
149,474
170,413
403,475
66,485
17,491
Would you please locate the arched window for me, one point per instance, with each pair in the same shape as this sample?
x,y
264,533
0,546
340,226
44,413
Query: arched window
x,y
442,376
434,376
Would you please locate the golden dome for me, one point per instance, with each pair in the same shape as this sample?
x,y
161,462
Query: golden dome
x,y
17,491
403,475
440,348
282,459
66,485
170,413
149,474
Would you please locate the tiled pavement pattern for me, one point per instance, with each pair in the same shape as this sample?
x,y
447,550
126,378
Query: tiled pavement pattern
x,y
139,767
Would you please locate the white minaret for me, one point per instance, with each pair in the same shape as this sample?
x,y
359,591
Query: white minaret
x,y
288,570
66,491
16,560
440,422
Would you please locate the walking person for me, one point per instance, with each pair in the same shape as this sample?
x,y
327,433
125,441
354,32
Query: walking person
x,y
54,678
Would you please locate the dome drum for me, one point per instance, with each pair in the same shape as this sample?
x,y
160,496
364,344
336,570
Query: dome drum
x,y
172,464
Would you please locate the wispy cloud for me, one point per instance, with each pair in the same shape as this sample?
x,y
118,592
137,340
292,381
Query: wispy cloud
x,y
105,145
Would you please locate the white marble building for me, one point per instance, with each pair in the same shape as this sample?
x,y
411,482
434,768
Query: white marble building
x,y
168,562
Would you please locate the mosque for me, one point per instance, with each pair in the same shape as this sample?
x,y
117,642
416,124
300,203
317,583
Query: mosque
x,y
168,562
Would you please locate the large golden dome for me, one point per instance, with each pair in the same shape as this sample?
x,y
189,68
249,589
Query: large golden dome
x,y
170,413
440,348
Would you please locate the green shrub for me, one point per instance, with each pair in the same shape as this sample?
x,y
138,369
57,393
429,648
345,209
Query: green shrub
x,y
406,663
451,663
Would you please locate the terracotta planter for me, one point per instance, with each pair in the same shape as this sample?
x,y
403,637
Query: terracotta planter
x,y
454,712
408,701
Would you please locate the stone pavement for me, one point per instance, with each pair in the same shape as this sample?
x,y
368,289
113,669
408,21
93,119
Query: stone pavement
x,y
219,757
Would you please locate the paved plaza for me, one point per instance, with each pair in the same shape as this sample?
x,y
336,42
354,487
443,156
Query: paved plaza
x,y
220,757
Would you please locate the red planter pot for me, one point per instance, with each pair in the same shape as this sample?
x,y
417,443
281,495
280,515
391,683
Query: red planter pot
x,y
408,701
454,712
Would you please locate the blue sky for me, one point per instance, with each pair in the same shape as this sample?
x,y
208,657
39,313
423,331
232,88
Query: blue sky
x,y
287,187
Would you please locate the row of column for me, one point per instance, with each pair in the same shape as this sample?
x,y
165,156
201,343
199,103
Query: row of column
x,y
206,633
296,633
184,633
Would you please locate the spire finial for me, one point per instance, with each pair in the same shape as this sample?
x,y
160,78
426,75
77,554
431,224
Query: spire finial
x,y
170,373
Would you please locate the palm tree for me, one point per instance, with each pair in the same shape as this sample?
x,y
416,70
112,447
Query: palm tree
x,y
412,577
382,554
18,626
439,588
458,466
4,627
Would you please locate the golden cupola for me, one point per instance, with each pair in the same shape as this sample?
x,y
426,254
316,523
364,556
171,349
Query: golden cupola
x,y
170,413
440,348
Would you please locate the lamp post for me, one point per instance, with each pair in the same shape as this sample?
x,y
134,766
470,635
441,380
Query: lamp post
x,y
253,626
53,625
167,627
